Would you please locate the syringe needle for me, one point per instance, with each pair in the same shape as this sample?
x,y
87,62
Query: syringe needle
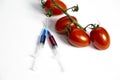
x,y
33,64
58,60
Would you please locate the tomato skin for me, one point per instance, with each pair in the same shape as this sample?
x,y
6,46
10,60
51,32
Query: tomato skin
x,y
55,10
62,23
100,38
78,38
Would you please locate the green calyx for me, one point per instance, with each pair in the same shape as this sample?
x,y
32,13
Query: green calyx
x,y
49,13
43,3
68,29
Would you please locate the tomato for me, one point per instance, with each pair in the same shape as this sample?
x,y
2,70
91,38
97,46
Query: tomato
x,y
78,37
100,38
62,23
55,10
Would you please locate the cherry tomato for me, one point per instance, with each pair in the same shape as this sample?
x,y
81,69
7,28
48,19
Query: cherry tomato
x,y
78,37
100,38
62,23
55,11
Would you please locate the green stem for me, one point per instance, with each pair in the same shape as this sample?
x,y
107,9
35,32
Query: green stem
x,y
65,12
69,9
74,8
93,26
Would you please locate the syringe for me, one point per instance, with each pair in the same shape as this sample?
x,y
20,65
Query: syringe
x,y
41,41
40,44
54,47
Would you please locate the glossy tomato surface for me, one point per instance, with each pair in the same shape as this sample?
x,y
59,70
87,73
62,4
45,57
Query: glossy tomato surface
x,y
78,38
55,10
62,23
100,38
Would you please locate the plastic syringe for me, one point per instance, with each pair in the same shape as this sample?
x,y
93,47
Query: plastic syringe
x,y
40,43
54,47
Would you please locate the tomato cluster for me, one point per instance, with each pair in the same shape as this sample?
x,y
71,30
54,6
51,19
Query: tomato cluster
x,y
76,34
78,37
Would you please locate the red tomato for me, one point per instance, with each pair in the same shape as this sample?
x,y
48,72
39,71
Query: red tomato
x,y
78,37
62,23
55,10
100,38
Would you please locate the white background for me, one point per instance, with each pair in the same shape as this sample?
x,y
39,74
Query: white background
x,y
20,25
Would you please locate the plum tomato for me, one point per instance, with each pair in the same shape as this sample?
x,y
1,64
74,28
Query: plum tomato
x,y
62,23
78,37
55,11
100,38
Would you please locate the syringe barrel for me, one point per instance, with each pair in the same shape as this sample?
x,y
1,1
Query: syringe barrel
x,y
42,39
52,41
43,36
